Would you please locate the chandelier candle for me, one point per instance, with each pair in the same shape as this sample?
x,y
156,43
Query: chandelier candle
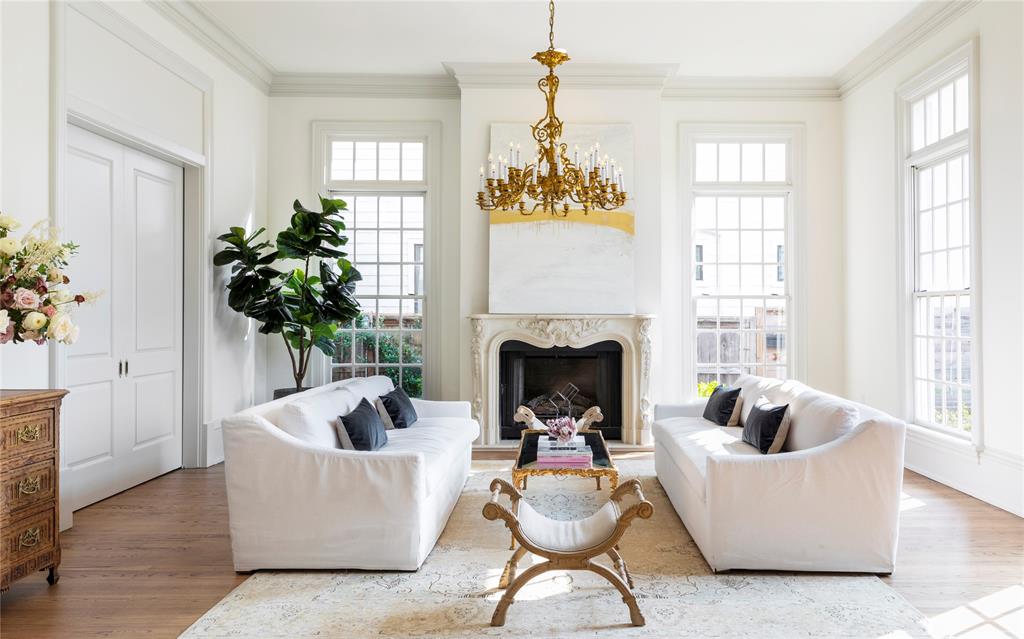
x,y
553,181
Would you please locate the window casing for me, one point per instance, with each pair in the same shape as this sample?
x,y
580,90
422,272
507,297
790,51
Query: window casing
x,y
383,179
938,173
739,194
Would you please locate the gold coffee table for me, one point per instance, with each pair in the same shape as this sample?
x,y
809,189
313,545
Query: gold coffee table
x,y
601,465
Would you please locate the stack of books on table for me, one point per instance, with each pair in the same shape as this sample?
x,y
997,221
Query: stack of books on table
x,y
554,454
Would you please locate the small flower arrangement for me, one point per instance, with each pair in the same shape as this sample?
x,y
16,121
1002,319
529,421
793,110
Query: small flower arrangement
x,y
34,298
562,428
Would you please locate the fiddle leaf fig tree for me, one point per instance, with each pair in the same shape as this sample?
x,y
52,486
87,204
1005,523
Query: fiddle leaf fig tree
x,y
306,308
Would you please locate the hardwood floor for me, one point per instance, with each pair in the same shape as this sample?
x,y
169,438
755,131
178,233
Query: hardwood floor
x,y
150,561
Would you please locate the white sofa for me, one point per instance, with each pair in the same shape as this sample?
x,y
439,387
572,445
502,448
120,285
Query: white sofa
x,y
829,502
297,500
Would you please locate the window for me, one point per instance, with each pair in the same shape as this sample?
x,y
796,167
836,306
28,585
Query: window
x,y
383,182
938,167
740,194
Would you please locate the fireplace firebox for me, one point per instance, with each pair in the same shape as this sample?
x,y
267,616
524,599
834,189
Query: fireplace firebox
x,y
533,377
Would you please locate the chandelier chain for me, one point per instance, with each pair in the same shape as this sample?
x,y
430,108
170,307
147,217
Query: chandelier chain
x,y
551,24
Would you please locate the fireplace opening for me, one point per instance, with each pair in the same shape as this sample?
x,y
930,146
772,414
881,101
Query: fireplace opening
x,y
543,378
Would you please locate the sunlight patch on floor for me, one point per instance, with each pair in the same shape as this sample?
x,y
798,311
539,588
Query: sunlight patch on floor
x,y
909,503
1000,614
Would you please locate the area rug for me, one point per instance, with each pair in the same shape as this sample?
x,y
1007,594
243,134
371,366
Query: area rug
x,y
455,591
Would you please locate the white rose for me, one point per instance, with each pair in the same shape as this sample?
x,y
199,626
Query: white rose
x,y
60,296
54,275
60,327
8,222
72,337
33,321
9,245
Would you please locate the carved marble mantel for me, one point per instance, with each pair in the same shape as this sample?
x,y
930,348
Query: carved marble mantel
x,y
632,332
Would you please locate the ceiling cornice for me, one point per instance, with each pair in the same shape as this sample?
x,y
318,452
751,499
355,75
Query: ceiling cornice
x,y
577,75
364,85
924,20
682,88
191,18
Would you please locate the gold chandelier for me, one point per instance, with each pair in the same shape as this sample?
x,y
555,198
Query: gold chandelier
x,y
552,180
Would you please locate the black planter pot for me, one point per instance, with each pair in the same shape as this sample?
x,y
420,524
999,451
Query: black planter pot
x,y
285,392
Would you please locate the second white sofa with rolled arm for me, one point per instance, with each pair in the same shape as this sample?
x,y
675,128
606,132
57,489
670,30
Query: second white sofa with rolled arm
x,y
829,502
297,500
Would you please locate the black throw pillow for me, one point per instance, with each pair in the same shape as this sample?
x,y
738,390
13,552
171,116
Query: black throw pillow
x,y
399,408
363,427
723,406
767,426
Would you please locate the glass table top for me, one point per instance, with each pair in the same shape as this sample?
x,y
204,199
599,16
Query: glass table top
x,y
530,438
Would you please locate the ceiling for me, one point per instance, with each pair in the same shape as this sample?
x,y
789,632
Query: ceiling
x,y
706,39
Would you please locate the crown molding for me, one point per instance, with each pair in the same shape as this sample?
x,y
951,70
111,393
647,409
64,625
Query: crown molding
x,y
364,85
191,18
922,22
579,75
693,88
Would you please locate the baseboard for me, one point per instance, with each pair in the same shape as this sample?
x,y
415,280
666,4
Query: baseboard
x,y
993,476
213,435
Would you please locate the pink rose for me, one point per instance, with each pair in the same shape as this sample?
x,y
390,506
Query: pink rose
x,y
25,298
50,310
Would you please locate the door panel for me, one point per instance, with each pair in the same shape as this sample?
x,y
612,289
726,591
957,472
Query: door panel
x,y
123,415
88,416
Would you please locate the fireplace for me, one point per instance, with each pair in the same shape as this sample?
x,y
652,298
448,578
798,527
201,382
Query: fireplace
x,y
560,380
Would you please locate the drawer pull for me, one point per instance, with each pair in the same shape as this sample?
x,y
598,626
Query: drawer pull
x,y
29,538
28,433
29,486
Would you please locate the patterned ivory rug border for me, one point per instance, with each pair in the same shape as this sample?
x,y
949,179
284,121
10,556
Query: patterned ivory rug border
x,y
455,591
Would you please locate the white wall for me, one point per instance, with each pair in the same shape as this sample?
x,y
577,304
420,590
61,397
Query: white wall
x,y
874,371
169,112
291,177
24,153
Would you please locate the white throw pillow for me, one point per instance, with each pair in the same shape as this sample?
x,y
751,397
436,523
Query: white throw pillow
x,y
752,387
371,387
818,418
312,419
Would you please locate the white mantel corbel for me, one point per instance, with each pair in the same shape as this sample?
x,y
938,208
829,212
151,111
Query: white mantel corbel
x,y
631,332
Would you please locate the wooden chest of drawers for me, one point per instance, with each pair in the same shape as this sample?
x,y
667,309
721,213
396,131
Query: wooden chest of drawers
x,y
29,484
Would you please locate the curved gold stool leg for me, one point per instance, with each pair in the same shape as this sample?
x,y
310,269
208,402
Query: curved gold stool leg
x,y
498,618
620,566
635,616
511,567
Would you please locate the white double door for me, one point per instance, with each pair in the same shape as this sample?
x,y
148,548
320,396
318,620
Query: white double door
x,y
122,417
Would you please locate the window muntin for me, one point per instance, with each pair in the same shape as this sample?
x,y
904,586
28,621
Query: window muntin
x,y
942,294
740,291
939,114
740,162
375,160
386,223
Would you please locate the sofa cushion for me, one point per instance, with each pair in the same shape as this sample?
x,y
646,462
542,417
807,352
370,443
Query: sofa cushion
x,y
312,418
723,407
818,418
364,427
767,426
439,440
689,441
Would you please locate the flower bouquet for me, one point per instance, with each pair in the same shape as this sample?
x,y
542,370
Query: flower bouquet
x,y
562,428
34,298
